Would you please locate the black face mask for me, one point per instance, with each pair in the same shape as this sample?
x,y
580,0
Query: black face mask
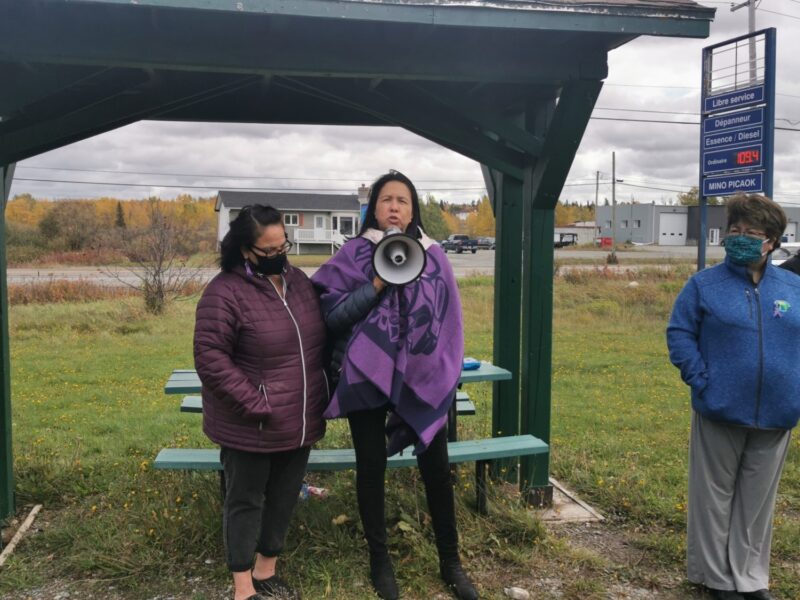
x,y
273,265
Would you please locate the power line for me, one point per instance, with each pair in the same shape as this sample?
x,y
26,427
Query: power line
x,y
213,176
214,188
637,110
694,88
772,12
670,122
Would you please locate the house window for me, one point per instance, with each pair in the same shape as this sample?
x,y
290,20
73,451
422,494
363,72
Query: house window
x,y
625,224
347,226
607,225
290,219
335,223
637,223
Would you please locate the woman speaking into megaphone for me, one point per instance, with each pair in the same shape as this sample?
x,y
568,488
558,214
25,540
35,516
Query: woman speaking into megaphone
x,y
397,356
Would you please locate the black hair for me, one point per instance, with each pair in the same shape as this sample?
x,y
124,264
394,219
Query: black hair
x,y
244,230
370,221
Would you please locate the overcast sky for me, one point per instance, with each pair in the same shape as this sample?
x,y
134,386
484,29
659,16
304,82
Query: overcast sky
x,y
650,73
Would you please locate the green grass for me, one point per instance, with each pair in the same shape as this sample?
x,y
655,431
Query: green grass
x,y
89,416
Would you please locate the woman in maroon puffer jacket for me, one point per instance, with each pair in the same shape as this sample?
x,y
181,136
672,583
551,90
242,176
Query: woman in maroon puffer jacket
x,y
258,349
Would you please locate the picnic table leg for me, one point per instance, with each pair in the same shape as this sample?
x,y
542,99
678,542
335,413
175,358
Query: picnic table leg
x,y
480,485
452,419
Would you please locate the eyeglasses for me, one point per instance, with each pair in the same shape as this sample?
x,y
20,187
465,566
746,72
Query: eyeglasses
x,y
273,252
753,233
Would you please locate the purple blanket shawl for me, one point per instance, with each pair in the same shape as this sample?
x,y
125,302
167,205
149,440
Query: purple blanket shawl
x,y
409,348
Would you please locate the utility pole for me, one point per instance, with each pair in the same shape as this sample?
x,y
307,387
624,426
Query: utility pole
x,y
751,24
596,191
613,257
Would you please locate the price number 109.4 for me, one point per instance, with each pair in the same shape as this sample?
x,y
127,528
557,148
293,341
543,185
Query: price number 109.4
x,y
748,157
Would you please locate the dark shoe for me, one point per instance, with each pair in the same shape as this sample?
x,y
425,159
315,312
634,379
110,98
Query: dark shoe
x,y
276,588
724,594
381,574
457,580
758,595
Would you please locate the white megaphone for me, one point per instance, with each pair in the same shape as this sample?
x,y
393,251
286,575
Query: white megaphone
x,y
398,258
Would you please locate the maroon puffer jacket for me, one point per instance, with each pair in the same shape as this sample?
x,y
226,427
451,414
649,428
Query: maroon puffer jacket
x,y
261,362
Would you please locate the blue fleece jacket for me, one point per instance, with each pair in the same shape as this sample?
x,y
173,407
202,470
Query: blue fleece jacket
x,y
737,345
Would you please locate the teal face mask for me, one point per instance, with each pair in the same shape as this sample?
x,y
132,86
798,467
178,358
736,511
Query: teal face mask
x,y
743,249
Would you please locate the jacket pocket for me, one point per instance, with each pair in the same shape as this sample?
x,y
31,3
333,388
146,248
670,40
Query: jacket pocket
x,y
262,388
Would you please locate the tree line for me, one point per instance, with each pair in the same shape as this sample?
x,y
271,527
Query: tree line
x,y
69,230
98,230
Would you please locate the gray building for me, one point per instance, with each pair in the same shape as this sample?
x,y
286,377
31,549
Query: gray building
x,y
315,223
644,224
667,225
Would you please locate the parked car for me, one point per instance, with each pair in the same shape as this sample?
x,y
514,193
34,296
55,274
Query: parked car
x,y
785,252
485,243
458,243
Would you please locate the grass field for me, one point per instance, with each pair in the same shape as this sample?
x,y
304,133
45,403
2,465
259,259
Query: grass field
x,y
89,417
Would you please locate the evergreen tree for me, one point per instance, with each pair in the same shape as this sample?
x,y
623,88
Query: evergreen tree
x,y
120,220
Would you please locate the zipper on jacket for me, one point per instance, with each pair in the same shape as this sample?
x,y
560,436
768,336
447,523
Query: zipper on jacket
x,y
263,389
302,354
327,385
749,303
760,353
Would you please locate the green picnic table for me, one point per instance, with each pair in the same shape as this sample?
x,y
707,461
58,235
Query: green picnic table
x,y
186,381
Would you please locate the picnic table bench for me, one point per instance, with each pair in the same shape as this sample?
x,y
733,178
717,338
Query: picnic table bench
x,y
482,452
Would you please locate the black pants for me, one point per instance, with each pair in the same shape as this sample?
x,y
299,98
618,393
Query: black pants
x,y
369,441
261,491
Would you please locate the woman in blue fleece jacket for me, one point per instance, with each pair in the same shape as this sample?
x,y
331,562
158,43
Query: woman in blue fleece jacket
x,y
734,334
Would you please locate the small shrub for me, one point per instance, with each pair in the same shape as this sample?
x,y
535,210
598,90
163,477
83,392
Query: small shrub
x,y
59,290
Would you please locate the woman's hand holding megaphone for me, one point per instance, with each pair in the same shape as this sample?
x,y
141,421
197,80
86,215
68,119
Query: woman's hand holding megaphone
x,y
378,284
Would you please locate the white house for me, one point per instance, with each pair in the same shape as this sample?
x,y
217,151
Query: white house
x,y
315,223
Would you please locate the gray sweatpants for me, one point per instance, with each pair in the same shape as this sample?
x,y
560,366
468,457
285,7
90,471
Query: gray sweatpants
x,y
733,481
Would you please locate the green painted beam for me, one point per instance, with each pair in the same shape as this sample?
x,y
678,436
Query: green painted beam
x,y
507,299
564,133
7,506
425,121
106,115
565,124
268,45
537,343
688,20
483,116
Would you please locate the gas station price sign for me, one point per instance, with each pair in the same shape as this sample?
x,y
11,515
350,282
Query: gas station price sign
x,y
738,116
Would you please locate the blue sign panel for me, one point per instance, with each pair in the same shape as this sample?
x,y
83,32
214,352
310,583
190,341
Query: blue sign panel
x,y
724,139
737,99
737,120
730,184
745,157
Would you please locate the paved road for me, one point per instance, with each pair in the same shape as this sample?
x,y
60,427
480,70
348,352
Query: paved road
x,y
463,264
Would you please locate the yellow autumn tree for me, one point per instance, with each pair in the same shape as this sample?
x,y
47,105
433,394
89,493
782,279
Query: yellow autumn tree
x,y
481,222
